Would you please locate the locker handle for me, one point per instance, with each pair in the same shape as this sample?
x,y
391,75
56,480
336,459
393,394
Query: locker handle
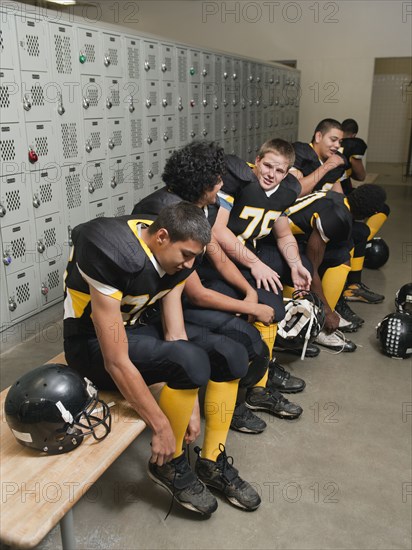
x,y
164,102
204,132
149,140
225,75
89,147
111,144
36,201
107,60
44,289
164,67
204,72
234,76
26,103
86,103
257,102
204,102
146,66
7,259
60,108
108,103
192,134
148,103
3,211
40,246
12,304
131,105
91,188
113,182
150,174
165,137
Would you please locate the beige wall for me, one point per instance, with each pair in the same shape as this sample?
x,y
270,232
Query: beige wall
x,y
334,42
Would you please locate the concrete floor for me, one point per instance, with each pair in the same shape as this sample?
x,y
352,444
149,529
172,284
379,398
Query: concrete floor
x,y
337,478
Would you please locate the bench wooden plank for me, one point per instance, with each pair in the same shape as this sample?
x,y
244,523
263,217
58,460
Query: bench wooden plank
x,y
37,490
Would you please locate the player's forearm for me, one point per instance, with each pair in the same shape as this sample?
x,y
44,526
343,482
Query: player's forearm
x,y
236,250
309,182
316,287
289,249
210,299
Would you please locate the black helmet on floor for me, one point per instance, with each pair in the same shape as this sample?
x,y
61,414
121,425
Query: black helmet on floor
x,y
376,253
304,319
403,299
395,335
52,408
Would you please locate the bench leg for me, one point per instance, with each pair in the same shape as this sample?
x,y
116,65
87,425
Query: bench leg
x,y
67,531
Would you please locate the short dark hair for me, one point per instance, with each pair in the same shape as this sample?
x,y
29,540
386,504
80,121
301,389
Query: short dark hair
x,y
350,126
366,200
183,221
325,125
194,169
279,146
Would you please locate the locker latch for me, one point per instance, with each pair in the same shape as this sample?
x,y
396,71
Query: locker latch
x,y
106,60
41,247
7,259
26,103
60,108
2,211
44,289
36,201
12,304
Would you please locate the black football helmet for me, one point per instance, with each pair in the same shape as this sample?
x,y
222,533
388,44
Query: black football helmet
x,y
304,319
376,253
395,335
52,408
403,299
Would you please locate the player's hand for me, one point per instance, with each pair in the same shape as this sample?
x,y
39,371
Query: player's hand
x,y
331,321
334,161
163,445
251,295
266,278
301,277
265,314
193,428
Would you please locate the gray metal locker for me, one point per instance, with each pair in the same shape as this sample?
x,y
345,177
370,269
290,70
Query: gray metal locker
x,y
21,293
90,55
14,206
117,143
95,180
51,279
32,43
92,96
151,62
13,150
50,237
100,209
73,197
114,97
168,62
168,131
112,55
135,176
45,191
95,139
117,176
152,97
10,94
168,100
120,205
18,251
153,140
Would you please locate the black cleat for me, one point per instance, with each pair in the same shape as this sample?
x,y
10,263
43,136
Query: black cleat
x,y
245,421
358,292
272,401
177,478
281,345
281,380
222,475
344,310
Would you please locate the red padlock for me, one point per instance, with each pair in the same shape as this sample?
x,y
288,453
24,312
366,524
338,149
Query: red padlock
x,y
33,157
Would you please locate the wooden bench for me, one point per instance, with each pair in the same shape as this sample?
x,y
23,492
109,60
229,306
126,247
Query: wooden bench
x,y
38,491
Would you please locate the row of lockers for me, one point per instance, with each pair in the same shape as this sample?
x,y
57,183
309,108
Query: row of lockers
x,y
90,115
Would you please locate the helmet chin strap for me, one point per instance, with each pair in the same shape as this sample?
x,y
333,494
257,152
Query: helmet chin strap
x,y
307,336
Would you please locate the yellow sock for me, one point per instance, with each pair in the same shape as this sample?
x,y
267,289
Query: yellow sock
x,y
220,401
268,334
356,263
333,282
178,406
375,222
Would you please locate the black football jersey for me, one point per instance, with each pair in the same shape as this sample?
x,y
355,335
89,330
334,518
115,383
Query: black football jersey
x,y
307,161
155,202
109,254
353,148
252,210
327,211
